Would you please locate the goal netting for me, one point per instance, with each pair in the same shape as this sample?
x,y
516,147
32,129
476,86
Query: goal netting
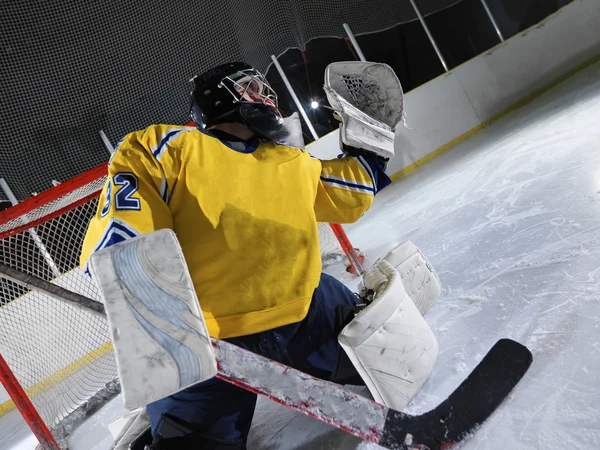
x,y
61,355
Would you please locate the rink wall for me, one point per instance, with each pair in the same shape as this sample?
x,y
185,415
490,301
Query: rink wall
x,y
456,105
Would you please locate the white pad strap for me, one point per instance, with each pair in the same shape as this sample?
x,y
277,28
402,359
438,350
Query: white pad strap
x,y
420,280
389,342
160,338
128,429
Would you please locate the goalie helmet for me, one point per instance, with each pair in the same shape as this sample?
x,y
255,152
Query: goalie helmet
x,y
232,93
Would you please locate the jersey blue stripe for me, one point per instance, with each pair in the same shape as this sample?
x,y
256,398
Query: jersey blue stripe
x,y
164,190
115,232
163,142
368,169
113,227
347,184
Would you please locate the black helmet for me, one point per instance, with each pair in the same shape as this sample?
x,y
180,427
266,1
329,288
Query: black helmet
x,y
226,93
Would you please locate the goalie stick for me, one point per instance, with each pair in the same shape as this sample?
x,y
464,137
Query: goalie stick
x,y
442,428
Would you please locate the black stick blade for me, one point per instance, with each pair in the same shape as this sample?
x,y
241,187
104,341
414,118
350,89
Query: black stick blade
x,y
466,408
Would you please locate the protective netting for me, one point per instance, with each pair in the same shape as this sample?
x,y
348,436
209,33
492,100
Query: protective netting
x,y
517,9
62,355
331,250
71,69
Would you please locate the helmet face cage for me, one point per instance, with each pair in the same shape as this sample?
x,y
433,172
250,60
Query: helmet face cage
x,y
249,86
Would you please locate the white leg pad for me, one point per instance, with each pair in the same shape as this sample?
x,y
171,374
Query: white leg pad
x,y
420,280
389,342
158,332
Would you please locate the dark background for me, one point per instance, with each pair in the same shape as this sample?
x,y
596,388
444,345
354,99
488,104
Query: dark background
x,y
70,69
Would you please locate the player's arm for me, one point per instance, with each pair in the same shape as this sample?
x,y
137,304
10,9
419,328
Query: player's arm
x,y
135,197
367,98
347,187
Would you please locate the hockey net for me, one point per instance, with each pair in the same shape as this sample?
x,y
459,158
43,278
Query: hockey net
x,y
61,355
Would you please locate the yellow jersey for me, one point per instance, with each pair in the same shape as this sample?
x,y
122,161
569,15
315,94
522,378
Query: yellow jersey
x,y
246,218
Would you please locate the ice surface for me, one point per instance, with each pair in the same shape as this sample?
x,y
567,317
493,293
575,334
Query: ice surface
x,y
511,220
14,434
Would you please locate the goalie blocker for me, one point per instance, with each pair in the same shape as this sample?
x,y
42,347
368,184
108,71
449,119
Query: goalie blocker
x,y
162,345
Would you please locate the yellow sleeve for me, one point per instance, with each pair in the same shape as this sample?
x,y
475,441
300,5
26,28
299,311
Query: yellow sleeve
x,y
135,197
346,190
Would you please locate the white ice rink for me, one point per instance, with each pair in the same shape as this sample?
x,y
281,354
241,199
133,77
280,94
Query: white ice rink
x,y
510,218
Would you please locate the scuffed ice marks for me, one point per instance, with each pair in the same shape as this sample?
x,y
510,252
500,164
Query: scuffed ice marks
x,y
510,219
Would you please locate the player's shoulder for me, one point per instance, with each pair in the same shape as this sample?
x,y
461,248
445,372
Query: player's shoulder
x,y
155,139
156,133
159,135
285,147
